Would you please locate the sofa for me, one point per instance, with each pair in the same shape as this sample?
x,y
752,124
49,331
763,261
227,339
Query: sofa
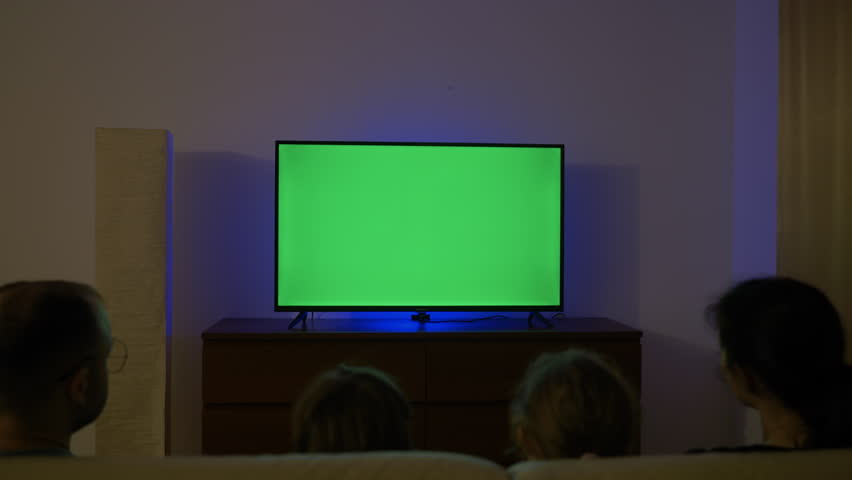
x,y
827,465
816,465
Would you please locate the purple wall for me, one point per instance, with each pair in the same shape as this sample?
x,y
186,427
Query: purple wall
x,y
641,93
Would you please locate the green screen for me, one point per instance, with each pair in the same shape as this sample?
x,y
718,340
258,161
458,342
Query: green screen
x,y
395,225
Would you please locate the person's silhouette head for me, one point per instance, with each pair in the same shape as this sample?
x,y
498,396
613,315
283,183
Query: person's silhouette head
x,y
351,409
55,339
570,404
782,352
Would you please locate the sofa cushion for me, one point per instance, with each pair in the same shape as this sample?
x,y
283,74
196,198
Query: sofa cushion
x,y
823,465
376,465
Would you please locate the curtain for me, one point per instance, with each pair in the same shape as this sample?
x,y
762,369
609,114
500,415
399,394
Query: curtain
x,y
815,148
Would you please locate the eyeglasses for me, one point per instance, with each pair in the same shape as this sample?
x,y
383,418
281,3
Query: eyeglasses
x,y
117,358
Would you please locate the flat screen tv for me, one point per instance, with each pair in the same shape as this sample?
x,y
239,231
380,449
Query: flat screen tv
x,y
369,226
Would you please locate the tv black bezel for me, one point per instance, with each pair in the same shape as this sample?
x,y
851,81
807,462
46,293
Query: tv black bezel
x,y
429,308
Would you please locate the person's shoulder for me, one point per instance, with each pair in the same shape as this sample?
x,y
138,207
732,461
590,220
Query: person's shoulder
x,y
741,449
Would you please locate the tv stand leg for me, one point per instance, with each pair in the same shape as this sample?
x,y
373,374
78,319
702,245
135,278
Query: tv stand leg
x,y
533,316
301,317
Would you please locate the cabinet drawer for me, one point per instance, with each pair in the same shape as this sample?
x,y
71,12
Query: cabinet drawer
x,y
260,429
490,371
475,429
246,429
277,372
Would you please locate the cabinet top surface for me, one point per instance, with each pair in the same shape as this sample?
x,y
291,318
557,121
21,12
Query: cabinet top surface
x,y
503,328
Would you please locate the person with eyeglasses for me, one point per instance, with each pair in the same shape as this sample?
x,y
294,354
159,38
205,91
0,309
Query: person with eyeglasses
x,y
56,352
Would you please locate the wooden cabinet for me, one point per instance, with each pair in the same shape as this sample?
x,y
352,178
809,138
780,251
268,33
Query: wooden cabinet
x,y
458,377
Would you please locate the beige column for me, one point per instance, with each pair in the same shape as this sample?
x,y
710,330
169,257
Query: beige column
x,y
132,245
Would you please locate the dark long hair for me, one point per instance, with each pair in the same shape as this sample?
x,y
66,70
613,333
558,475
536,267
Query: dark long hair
x,y
789,336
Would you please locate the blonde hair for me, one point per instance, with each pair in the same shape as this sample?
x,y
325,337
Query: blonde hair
x,y
571,403
351,409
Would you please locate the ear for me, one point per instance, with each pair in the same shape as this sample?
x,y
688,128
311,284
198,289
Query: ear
x,y
78,386
744,384
754,386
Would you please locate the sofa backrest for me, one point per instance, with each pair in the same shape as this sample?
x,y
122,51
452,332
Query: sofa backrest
x,y
823,465
373,466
